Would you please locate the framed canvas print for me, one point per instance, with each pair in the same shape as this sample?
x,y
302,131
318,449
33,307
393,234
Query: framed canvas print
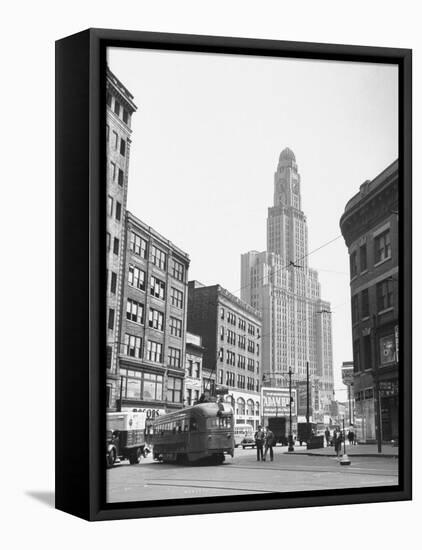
x,y
233,274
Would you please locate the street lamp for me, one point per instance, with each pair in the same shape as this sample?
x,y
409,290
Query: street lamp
x,y
290,448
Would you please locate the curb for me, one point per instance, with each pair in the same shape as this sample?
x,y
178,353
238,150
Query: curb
x,y
379,455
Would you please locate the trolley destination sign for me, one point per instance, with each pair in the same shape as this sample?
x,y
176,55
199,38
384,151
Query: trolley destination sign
x,y
276,402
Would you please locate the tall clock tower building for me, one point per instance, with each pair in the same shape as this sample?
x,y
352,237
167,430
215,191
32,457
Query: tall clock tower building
x,y
280,283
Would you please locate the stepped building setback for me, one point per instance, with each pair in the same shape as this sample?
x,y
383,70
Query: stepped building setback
x,y
280,284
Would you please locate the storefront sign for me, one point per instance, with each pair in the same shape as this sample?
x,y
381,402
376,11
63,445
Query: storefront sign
x,y
276,402
387,349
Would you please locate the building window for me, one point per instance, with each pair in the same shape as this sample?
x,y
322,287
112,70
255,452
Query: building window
x,y
220,376
384,294
189,397
138,245
367,355
178,271
116,246
177,298
111,319
120,177
155,319
355,309
108,240
132,346
221,354
157,288
175,327
222,334
113,284
113,170
190,367
122,147
142,385
115,139
222,313
110,205
125,116
118,211
365,302
155,351
382,246
116,107
241,406
197,370
108,356
174,357
136,277
353,265
158,257
174,389
107,132
108,99
134,311
363,258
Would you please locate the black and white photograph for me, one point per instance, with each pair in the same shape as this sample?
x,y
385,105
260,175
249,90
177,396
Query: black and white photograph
x,y
253,270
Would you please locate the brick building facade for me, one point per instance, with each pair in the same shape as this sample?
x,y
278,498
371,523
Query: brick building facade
x,y
120,108
370,228
231,335
153,329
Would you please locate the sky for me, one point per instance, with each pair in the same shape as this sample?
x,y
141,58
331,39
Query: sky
x,y
206,140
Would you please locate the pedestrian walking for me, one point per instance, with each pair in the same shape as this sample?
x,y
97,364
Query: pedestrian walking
x,y
337,439
351,437
269,442
327,436
259,443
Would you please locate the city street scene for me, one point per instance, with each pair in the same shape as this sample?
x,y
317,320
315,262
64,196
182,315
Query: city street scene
x,y
252,275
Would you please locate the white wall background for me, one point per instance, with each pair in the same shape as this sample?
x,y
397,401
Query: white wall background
x,y
27,354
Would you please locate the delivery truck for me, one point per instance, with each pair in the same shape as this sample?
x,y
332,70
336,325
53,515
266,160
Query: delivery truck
x,y
125,437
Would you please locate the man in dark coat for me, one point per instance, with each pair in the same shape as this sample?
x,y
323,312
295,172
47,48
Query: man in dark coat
x,y
269,442
259,443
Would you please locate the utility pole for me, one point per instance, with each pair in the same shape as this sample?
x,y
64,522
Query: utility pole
x,y
307,399
290,448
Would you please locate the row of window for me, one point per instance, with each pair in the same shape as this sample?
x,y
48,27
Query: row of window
x,y
231,318
118,109
135,313
117,208
139,246
241,340
193,369
132,346
382,251
115,141
114,169
139,385
241,360
384,299
243,382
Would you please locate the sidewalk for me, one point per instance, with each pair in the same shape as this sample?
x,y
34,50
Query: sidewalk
x,y
351,450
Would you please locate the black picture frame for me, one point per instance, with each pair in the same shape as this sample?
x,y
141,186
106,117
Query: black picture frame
x,y
80,257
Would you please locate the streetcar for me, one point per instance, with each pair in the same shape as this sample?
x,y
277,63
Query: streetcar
x,y
198,433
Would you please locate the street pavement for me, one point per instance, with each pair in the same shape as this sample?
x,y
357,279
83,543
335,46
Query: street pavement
x,y
351,450
242,474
